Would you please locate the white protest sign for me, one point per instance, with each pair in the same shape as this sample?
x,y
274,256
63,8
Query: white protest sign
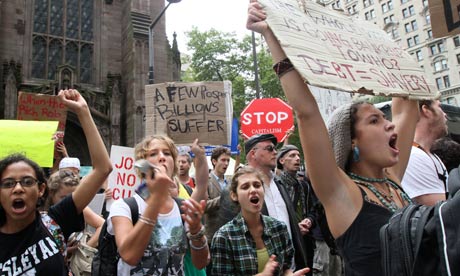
x,y
186,111
335,51
96,203
123,179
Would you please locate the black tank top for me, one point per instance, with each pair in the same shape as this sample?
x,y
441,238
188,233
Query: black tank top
x,y
360,244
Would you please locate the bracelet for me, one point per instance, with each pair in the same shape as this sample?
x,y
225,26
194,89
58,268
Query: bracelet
x,y
148,221
282,67
197,235
205,244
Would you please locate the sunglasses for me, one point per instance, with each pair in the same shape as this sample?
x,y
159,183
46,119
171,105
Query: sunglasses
x,y
269,148
26,181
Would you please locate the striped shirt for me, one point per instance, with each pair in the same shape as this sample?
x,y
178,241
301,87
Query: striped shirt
x,y
233,250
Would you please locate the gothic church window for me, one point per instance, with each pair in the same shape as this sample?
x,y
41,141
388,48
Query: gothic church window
x,y
63,35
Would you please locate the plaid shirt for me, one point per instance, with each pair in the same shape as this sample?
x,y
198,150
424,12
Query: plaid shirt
x,y
233,250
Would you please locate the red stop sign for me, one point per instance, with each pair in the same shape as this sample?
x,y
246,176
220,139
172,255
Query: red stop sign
x,y
270,115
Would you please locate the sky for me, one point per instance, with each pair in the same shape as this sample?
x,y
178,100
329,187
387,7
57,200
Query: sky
x,y
222,15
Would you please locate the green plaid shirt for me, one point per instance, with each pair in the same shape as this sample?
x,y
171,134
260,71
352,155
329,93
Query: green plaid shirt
x,y
233,250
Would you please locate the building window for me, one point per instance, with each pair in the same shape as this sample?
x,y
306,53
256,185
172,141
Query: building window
x,y
413,24
352,9
63,36
437,48
410,42
439,83
427,19
419,55
393,33
425,3
458,58
411,10
456,41
446,81
384,7
429,33
370,14
404,1
367,3
389,19
416,39
440,65
336,5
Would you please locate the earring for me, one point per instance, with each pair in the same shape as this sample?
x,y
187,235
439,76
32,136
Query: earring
x,y
355,154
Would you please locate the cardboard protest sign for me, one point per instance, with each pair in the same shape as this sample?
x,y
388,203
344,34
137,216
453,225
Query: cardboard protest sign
x,y
444,15
186,111
335,51
123,179
40,107
31,138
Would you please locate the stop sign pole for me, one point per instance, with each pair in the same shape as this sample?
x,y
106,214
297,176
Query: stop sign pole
x,y
269,115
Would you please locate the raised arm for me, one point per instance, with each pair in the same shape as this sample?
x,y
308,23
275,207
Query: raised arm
x,y
327,180
133,239
405,114
201,172
102,166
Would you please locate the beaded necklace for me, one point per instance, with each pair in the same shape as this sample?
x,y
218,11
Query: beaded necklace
x,y
386,200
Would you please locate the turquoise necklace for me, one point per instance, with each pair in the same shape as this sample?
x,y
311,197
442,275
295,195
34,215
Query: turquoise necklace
x,y
367,179
386,200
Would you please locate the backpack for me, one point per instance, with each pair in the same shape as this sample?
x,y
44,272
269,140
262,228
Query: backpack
x,y
422,240
105,262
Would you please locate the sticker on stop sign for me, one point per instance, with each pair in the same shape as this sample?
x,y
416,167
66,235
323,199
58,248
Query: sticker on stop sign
x,y
270,115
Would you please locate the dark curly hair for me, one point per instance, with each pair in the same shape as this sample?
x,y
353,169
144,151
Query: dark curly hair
x,y
39,173
448,151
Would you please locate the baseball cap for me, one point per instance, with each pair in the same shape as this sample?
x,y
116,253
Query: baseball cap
x,y
253,140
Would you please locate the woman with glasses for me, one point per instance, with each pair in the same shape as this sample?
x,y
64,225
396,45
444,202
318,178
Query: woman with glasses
x,y
35,245
357,178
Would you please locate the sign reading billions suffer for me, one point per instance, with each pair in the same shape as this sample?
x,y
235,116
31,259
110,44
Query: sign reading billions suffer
x,y
332,50
186,111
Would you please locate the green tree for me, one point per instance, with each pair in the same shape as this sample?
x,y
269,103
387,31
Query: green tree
x,y
216,56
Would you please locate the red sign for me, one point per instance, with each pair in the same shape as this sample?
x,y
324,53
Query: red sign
x,y
270,115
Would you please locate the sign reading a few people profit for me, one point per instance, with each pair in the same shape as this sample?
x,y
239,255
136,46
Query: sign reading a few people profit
x,y
186,111
269,115
336,51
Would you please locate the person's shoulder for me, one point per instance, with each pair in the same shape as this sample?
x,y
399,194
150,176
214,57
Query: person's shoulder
x,y
273,222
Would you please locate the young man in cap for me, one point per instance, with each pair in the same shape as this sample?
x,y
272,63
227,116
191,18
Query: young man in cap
x,y
261,154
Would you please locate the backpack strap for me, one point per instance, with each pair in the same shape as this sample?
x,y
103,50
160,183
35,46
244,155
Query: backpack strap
x,y
179,202
453,181
54,231
132,204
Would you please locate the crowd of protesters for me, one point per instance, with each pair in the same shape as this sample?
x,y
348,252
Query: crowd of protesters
x,y
309,210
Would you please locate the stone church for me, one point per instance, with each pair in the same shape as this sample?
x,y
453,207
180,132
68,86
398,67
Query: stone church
x,y
99,47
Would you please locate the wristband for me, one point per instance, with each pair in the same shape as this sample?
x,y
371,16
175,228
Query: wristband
x,y
282,67
197,235
205,244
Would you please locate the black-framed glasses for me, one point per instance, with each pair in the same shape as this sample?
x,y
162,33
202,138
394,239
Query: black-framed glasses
x,y
26,181
269,148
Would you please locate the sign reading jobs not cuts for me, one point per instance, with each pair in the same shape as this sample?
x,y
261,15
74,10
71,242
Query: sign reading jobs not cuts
x,y
335,51
123,179
186,111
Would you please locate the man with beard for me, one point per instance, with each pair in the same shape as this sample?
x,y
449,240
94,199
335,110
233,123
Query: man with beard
x,y
288,162
425,177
